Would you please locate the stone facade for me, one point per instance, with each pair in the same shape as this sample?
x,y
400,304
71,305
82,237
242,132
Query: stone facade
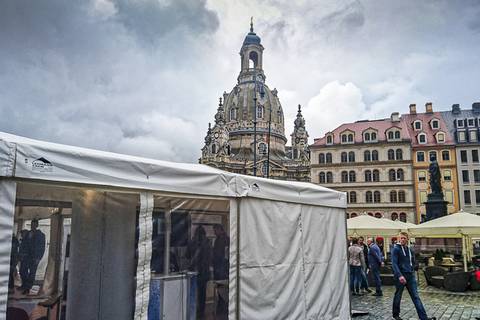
x,y
371,161
230,144
464,126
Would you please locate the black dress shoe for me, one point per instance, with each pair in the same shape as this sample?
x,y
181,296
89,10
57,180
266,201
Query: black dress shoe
x,y
378,294
397,318
432,318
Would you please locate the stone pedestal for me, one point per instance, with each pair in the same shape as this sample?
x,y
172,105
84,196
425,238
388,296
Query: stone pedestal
x,y
435,206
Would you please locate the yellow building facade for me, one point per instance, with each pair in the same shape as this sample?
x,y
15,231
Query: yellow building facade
x,y
431,140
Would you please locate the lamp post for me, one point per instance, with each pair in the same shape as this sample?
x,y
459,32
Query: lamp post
x,y
262,93
255,125
269,137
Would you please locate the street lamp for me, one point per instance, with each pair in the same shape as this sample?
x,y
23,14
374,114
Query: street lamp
x,y
262,94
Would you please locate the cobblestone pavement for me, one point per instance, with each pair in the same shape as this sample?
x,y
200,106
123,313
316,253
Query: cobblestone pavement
x,y
438,303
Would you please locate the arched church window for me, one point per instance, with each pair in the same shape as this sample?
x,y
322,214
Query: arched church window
x,y
214,148
295,154
262,148
233,114
279,116
260,111
227,149
252,59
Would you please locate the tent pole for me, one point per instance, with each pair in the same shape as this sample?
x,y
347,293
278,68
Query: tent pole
x,y
168,231
464,251
237,309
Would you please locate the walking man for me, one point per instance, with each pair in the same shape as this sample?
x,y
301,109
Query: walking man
x,y
375,260
403,262
364,283
356,262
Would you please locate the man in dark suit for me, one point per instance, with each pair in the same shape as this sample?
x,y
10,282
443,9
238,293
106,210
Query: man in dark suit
x,y
34,246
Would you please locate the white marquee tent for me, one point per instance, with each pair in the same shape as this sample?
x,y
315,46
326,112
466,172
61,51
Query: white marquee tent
x,y
287,257
462,225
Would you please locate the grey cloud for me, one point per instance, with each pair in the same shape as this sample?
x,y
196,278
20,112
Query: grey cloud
x,y
152,19
348,17
69,74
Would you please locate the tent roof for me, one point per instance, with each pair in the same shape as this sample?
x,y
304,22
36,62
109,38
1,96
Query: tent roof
x,y
38,160
367,225
454,224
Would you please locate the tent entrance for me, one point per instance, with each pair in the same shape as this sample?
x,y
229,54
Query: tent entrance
x,y
189,259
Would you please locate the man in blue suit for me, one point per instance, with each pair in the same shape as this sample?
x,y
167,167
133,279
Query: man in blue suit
x,y
403,264
375,261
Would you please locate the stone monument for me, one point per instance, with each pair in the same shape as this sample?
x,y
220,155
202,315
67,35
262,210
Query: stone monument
x,y
436,206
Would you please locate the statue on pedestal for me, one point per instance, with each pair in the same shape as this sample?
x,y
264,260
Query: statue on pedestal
x,y
435,206
435,178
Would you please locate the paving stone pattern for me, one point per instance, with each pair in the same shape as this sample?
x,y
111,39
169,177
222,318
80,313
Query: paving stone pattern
x,y
438,303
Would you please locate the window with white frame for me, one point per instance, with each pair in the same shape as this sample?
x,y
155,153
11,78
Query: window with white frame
x,y
440,137
446,155
422,176
420,156
422,138
462,137
471,122
435,124
329,139
473,136
447,175
417,125
460,123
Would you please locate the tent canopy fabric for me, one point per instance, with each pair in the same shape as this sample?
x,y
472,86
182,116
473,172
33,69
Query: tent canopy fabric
x,y
365,225
452,225
303,257
32,159
404,225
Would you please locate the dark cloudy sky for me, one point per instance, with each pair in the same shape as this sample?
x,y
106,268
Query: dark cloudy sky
x,y
143,77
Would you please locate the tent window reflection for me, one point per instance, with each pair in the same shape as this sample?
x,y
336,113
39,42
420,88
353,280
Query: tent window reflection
x,y
190,257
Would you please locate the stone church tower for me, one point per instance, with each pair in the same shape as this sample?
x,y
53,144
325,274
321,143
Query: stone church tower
x,y
230,144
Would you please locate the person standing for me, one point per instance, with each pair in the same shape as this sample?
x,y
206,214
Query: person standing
x,y
13,262
220,253
375,261
403,262
356,261
199,253
33,247
221,267
364,284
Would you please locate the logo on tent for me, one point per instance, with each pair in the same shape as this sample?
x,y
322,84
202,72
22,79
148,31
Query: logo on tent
x,y
42,165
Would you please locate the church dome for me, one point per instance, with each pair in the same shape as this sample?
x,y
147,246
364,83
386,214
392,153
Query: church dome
x,y
251,38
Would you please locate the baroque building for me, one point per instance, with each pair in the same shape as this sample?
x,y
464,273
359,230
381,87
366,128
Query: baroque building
x,y
371,161
431,140
252,107
464,127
